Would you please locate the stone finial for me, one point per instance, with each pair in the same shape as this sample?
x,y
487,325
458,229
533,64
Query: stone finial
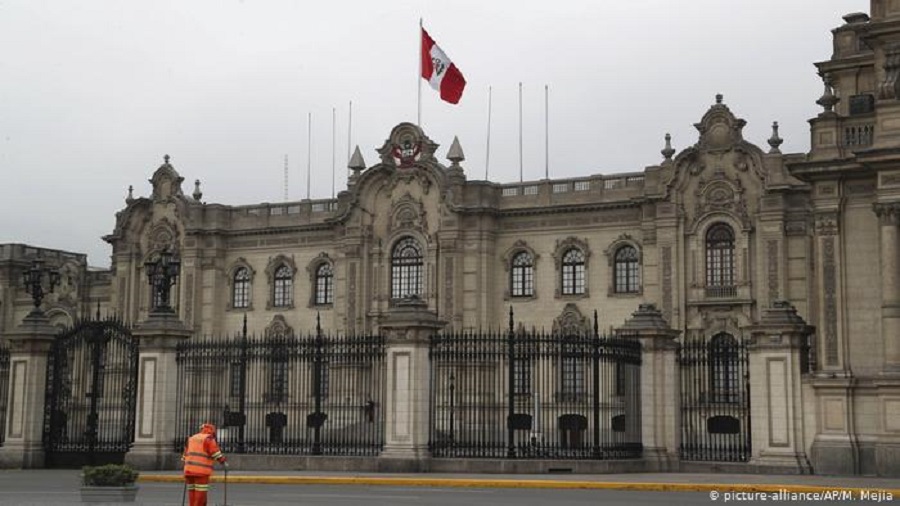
x,y
197,193
130,198
166,159
356,164
719,98
828,99
455,154
775,141
667,151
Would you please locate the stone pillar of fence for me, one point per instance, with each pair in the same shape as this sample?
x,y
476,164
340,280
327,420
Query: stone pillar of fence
x,y
407,329
29,347
155,422
660,394
777,353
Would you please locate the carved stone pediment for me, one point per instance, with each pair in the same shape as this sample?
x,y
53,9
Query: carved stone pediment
x,y
719,129
407,146
720,193
166,182
571,322
408,213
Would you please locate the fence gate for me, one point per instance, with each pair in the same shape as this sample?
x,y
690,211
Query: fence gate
x,y
91,394
715,399
4,388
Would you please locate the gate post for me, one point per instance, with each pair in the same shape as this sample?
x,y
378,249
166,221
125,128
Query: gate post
x,y
407,329
157,387
660,395
777,350
30,344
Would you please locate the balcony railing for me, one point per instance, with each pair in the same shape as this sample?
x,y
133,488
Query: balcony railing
x,y
721,292
859,135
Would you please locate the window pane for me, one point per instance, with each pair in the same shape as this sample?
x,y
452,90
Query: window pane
x,y
324,284
522,275
573,282
283,287
406,269
241,294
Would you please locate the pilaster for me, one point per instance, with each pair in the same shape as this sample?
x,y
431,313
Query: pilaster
x,y
776,396
889,219
407,328
30,344
660,392
155,421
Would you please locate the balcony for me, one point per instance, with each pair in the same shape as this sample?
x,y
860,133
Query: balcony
x,y
721,292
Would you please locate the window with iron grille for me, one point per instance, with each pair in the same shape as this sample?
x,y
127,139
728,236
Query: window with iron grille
x,y
241,288
573,272
406,269
278,378
522,376
324,379
720,255
572,371
234,386
283,286
522,275
324,284
724,369
626,270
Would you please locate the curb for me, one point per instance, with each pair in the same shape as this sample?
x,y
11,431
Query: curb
x,y
557,484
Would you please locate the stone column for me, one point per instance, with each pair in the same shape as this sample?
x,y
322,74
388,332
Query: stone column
x,y
155,422
29,348
407,327
776,396
660,386
888,217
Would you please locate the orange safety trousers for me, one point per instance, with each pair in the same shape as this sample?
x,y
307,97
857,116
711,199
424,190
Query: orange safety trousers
x,y
197,488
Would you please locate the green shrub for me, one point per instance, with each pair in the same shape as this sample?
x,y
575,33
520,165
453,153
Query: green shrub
x,y
110,475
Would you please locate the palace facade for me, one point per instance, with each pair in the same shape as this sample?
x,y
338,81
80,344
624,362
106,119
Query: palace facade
x,y
713,236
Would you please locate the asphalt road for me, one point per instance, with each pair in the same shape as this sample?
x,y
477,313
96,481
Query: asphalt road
x,y
22,492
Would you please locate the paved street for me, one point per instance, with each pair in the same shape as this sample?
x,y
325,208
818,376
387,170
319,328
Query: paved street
x,y
56,488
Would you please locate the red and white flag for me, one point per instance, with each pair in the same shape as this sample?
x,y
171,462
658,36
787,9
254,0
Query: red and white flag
x,y
440,72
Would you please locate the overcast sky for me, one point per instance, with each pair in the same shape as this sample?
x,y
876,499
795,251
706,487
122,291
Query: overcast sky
x,y
94,93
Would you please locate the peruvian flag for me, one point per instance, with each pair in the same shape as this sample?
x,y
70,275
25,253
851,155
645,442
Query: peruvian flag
x,y
440,72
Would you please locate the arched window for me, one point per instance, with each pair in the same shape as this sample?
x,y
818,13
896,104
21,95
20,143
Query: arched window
x,y
406,269
522,278
720,256
573,272
324,284
241,288
724,368
283,287
626,270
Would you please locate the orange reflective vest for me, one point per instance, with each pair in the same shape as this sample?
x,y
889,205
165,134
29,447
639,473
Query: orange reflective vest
x,y
200,454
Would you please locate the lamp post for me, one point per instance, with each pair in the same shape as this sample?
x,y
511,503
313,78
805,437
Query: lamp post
x,y
33,280
162,274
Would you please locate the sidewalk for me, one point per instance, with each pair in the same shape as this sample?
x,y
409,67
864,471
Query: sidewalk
x,y
683,482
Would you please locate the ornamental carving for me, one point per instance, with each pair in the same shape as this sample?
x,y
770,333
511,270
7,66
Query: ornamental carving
x,y
166,182
720,194
571,322
279,327
564,245
827,224
163,235
719,129
407,146
829,275
517,247
888,213
408,213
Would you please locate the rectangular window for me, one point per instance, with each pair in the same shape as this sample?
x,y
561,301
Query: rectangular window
x,y
581,186
560,187
235,384
511,191
530,190
522,376
278,380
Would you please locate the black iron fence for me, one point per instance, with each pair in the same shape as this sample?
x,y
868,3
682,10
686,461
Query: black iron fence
x,y
532,394
715,399
4,388
89,409
284,394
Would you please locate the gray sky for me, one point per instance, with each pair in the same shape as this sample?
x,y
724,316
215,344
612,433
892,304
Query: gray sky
x,y
94,93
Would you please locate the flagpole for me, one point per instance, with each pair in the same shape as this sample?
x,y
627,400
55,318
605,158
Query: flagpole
x,y
308,153
349,130
487,158
546,132
521,176
333,145
419,78
285,178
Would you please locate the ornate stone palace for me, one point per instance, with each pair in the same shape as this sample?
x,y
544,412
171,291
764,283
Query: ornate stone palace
x,y
715,236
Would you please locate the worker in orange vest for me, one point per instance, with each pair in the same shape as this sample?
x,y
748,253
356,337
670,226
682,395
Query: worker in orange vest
x,y
200,453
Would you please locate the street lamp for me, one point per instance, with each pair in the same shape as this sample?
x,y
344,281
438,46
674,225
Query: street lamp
x,y
33,280
162,274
